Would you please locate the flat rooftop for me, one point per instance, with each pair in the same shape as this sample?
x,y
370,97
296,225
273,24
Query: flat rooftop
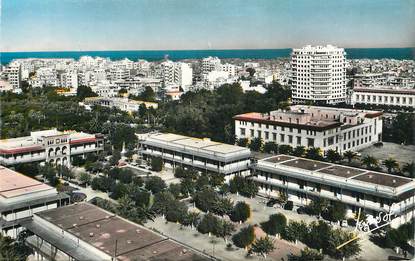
x,y
102,230
342,173
14,184
196,143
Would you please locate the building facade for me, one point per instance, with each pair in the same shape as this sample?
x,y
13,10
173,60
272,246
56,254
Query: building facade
x,y
21,197
384,96
303,180
14,75
123,104
202,154
313,126
318,74
51,146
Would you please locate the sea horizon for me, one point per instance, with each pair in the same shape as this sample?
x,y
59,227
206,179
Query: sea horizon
x,y
399,53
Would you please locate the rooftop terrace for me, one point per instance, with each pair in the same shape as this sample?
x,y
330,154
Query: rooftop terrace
x,y
104,230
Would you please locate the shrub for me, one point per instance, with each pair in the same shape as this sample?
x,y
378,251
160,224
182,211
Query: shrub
x,y
244,237
240,212
275,225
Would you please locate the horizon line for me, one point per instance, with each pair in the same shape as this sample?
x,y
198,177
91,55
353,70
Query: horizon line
x,y
159,50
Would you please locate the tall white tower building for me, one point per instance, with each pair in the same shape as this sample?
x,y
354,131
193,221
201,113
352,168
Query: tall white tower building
x,y
318,74
177,73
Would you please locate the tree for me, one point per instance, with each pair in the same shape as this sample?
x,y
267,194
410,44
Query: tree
x,y
14,249
116,156
333,156
157,164
28,169
318,206
285,149
251,71
370,162
222,206
270,147
49,173
176,211
243,142
84,91
241,212
299,151
338,237
161,202
336,211
350,155
206,199
226,229
216,179
309,254
295,231
409,169
275,225
125,176
256,144
129,210
148,94
155,184
391,164
314,153
84,178
318,235
118,190
244,237
209,224
192,219
140,196
262,246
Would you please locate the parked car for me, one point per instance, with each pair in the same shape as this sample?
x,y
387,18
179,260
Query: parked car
x,y
301,210
272,202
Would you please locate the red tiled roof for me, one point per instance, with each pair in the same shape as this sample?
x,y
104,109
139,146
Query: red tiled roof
x,y
83,140
21,150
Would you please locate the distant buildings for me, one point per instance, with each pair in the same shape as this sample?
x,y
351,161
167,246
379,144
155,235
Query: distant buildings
x,y
86,232
177,73
14,75
304,180
121,103
312,126
202,154
21,197
401,97
51,146
318,74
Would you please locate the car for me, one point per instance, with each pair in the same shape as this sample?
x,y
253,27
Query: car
x,y
142,166
301,210
272,202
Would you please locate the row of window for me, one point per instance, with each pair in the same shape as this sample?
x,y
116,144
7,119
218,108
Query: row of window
x,y
379,98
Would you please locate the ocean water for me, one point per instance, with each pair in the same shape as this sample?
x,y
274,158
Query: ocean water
x,y
352,53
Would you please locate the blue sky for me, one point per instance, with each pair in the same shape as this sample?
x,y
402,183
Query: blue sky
x,y
47,25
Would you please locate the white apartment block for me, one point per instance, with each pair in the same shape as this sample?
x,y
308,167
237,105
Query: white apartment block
x,y
21,197
51,146
384,96
14,75
303,180
118,74
202,154
318,74
45,77
69,79
177,73
210,64
312,126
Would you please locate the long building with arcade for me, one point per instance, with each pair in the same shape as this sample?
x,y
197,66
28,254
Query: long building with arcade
x,y
51,146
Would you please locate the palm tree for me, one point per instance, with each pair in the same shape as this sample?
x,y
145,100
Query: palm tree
x,y
314,153
370,162
262,246
299,151
226,229
390,164
350,155
410,169
333,156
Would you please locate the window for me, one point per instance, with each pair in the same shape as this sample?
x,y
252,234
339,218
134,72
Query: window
x,y
310,142
299,131
290,138
243,131
252,133
282,137
266,135
298,140
259,134
330,140
274,137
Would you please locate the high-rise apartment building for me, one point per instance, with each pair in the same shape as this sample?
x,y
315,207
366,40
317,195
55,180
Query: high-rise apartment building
x,y
14,75
177,73
318,74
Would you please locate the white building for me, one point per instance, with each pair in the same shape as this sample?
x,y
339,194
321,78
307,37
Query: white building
x,y
86,232
384,96
69,79
210,64
303,180
121,103
318,74
177,73
14,75
21,197
51,146
203,154
312,126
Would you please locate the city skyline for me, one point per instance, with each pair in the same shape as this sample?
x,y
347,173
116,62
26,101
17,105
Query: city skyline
x,y
172,25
